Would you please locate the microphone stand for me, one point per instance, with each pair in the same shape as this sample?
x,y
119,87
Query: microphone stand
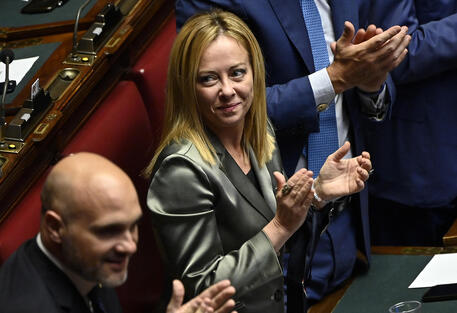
x,y
74,56
7,56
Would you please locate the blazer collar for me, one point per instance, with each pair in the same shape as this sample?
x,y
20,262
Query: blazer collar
x,y
265,205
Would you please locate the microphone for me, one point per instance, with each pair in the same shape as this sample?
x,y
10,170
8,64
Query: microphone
x,y
75,31
6,56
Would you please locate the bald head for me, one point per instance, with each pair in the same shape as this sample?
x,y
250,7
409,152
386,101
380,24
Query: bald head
x,y
90,218
80,179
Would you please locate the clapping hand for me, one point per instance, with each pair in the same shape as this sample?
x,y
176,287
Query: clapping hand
x,y
341,177
215,299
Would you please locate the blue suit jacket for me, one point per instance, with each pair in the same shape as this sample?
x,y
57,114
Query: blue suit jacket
x,y
414,152
280,29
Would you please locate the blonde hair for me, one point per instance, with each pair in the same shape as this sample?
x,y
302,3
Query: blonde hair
x,y
182,118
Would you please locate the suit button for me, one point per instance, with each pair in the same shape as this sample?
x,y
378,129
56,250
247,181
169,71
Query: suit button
x,y
277,295
322,107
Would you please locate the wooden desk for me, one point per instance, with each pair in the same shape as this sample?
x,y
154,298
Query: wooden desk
x,y
329,303
450,238
67,114
37,25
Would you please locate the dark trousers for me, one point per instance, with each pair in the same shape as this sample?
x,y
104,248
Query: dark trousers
x,y
395,224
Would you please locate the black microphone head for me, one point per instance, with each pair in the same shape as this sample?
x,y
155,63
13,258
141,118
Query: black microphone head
x,y
6,53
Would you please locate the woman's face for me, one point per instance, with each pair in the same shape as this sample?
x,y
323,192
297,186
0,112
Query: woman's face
x,y
224,85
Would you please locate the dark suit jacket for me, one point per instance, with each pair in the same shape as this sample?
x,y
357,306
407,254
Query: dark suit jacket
x,y
414,152
280,29
30,282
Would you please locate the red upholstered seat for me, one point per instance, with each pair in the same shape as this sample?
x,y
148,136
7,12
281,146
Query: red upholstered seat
x,y
23,221
119,130
150,72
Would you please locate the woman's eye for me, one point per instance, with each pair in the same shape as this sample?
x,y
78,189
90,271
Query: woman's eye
x,y
239,72
207,79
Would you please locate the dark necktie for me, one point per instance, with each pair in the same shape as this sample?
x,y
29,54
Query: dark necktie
x,y
96,301
325,142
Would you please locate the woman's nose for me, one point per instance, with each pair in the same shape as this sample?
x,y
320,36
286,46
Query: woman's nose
x,y
227,89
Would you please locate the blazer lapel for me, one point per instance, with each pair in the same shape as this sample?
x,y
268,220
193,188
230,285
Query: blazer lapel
x,y
264,179
64,292
291,18
240,181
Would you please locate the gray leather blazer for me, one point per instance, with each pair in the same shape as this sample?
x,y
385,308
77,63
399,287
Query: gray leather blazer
x,y
209,222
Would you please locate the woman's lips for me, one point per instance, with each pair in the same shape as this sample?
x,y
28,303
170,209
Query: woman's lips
x,y
229,107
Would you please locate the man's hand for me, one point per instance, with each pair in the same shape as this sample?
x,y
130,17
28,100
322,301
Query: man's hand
x,y
214,299
340,177
364,59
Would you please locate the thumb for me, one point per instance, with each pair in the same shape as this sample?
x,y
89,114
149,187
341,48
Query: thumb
x,y
348,34
333,47
177,296
341,152
280,179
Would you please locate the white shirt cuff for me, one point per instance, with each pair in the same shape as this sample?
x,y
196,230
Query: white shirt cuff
x,y
322,86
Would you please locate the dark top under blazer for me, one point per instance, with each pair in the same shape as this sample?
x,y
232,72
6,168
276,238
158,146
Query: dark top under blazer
x,y
31,283
210,220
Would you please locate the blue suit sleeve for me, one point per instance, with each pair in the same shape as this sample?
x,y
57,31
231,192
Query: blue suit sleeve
x,y
432,47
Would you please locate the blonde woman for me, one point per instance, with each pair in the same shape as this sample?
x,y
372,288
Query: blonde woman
x,y
222,206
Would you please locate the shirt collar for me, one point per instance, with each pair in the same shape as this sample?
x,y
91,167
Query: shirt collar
x,y
80,283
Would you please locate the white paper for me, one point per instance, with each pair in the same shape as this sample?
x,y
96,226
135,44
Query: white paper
x,y
440,270
18,69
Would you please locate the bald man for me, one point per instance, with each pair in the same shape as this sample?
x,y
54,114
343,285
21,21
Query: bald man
x,y
88,232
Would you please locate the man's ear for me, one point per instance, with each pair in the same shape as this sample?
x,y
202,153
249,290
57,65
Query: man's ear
x,y
53,225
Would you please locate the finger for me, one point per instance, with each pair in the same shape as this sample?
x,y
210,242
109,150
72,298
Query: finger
x,y
304,190
280,181
204,307
401,51
371,31
348,34
215,289
363,173
360,185
177,296
378,31
379,40
299,180
227,307
366,155
341,152
223,296
366,164
364,35
359,36
308,199
393,50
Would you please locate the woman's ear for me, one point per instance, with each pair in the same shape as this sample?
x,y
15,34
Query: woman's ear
x,y
53,225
